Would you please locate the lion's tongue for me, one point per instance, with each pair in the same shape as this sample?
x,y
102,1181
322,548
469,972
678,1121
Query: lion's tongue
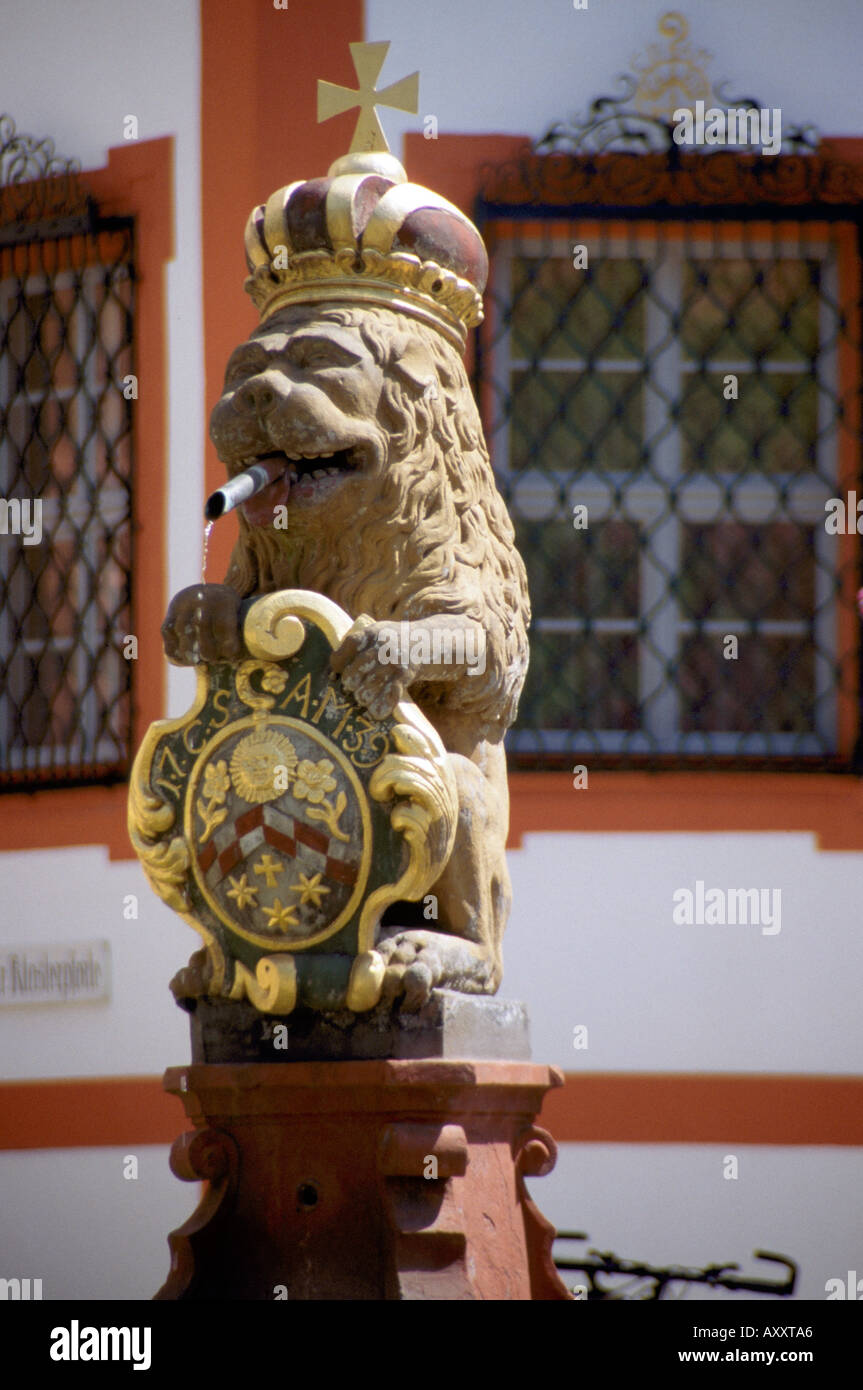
x,y
259,510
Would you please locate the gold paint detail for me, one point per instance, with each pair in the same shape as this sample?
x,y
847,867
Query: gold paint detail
x,y
368,59
394,280
242,891
281,916
365,983
386,165
421,772
310,889
273,987
167,863
210,805
270,868
673,75
312,781
273,682
273,627
254,763
275,228
397,204
340,210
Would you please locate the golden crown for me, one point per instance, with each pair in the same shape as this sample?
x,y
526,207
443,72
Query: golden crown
x,y
364,234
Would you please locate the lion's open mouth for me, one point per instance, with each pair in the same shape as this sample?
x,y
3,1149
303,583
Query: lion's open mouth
x,y
317,465
305,477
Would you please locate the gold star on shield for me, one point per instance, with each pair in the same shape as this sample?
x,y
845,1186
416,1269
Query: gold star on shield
x,y
279,918
402,95
311,890
242,892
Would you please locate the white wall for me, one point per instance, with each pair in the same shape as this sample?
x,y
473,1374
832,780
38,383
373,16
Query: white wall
x,y
69,895
591,940
70,1218
509,67
669,1204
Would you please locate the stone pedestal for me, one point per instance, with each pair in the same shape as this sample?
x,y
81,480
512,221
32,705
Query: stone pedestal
x,y
452,1025
363,1180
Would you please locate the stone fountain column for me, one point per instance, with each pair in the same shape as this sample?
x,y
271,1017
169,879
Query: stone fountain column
x,y
331,814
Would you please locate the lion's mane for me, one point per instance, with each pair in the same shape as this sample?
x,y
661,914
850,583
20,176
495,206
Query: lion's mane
x,y
432,536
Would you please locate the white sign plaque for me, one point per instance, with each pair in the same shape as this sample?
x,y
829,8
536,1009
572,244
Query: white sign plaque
x,y
65,973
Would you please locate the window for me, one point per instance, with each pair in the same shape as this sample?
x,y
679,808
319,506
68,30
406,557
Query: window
x,y
667,422
66,307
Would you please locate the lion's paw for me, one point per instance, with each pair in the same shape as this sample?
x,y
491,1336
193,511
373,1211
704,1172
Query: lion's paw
x,y
414,967
419,961
366,670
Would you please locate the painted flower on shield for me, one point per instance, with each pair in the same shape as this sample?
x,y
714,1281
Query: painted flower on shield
x,y
216,781
274,680
313,781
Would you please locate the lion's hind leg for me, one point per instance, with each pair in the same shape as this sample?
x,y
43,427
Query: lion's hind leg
x,y
462,950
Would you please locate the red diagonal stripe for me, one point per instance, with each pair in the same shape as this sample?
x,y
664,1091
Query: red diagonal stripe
x,y
279,841
229,858
313,838
250,820
207,855
341,872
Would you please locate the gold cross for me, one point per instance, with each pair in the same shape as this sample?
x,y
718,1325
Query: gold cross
x,y
270,868
403,95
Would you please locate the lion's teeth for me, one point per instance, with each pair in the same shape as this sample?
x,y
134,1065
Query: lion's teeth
x,y
319,473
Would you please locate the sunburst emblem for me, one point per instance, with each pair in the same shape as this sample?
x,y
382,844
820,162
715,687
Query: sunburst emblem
x,y
262,766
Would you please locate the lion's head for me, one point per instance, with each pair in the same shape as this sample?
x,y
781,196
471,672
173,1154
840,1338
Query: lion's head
x,y
391,504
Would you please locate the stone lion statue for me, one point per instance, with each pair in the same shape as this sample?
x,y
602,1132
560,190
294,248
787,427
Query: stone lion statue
x,y
378,457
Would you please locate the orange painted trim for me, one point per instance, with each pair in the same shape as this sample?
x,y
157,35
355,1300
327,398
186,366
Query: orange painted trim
x,y
259,131
649,1108
828,806
88,1112
138,182
591,1108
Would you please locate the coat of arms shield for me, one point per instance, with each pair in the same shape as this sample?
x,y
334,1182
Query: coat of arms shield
x,y
281,820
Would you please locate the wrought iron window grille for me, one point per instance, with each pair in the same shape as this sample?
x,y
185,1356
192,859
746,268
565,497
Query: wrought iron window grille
x,y
602,386
66,448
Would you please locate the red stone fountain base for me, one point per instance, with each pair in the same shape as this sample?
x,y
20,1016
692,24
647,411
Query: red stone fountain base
x,y
363,1180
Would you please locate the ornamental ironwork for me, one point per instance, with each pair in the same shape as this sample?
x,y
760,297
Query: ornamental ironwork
x,y
38,188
